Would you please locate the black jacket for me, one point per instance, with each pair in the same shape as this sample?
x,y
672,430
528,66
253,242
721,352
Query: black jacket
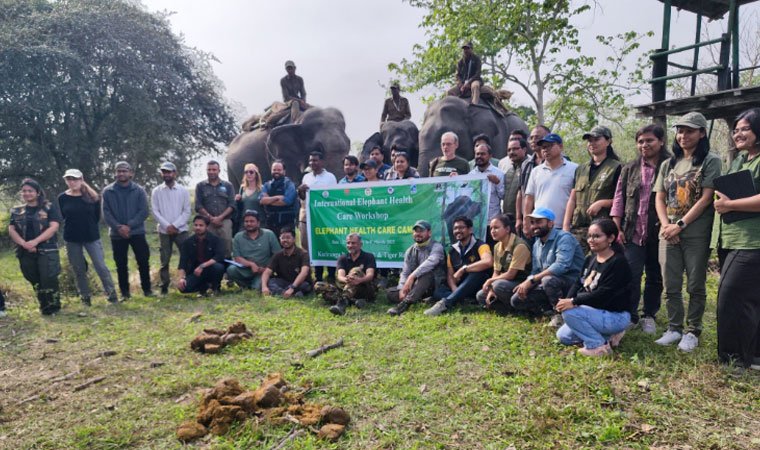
x,y
188,252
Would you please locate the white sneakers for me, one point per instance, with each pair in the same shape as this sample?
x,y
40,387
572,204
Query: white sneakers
x,y
670,337
437,309
686,343
3,313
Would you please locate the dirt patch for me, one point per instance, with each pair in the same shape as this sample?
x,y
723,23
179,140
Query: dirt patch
x,y
274,401
212,340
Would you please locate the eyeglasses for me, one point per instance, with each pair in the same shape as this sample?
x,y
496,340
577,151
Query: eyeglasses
x,y
250,172
595,237
742,129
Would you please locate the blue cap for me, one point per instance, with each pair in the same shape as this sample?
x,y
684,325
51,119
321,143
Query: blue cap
x,y
543,212
552,138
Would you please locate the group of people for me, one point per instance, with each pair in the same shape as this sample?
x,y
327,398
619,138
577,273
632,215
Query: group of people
x,y
564,239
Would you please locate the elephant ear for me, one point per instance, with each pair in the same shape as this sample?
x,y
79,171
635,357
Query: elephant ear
x,y
375,139
288,143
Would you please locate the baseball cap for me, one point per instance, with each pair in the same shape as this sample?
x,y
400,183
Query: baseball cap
x,y
72,173
123,165
422,224
598,131
467,44
395,85
552,138
290,63
692,120
168,166
542,213
368,163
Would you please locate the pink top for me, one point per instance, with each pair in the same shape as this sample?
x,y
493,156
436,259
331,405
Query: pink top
x,y
648,173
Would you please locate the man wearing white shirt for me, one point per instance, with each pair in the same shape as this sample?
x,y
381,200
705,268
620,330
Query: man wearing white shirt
x,y
551,182
318,177
170,205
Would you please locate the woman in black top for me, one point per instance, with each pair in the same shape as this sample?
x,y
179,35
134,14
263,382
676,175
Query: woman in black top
x,y
32,228
80,207
596,310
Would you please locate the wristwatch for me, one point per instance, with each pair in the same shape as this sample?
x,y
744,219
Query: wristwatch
x,y
531,278
681,224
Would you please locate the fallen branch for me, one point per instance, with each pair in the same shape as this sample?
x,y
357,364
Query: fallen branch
x,y
325,348
27,400
88,383
294,433
65,377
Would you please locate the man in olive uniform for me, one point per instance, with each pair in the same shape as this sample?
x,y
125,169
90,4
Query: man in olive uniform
x,y
293,91
396,108
468,75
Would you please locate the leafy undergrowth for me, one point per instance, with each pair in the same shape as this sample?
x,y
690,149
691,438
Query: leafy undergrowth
x,y
464,380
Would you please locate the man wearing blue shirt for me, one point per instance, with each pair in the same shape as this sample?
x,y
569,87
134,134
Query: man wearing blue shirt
x,y
557,264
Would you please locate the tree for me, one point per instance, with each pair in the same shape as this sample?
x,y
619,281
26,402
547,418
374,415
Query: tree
x,y
86,83
532,45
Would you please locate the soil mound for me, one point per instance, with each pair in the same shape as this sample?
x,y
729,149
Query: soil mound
x,y
274,401
212,340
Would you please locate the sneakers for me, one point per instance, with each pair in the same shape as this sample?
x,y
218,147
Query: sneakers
x,y
399,309
557,321
688,343
148,294
86,300
616,338
360,303
602,350
648,325
437,309
339,309
113,298
125,297
164,290
670,337
3,313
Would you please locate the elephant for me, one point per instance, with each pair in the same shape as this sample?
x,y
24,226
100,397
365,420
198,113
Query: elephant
x,y
321,129
467,121
404,135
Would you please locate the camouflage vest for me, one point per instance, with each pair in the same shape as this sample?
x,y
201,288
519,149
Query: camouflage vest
x,y
602,187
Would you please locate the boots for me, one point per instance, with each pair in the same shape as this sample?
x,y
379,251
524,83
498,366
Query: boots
x,y
400,308
339,309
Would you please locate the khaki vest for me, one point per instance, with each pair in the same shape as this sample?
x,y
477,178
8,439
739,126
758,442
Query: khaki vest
x,y
602,187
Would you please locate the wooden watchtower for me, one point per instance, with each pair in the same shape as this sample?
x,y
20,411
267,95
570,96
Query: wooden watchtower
x,y
729,98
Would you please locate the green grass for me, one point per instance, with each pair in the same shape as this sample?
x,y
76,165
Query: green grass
x,y
464,380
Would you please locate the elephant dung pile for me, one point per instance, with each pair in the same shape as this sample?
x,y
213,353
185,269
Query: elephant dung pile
x,y
213,341
273,401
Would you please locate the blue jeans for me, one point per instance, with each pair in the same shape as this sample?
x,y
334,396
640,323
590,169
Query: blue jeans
x,y
593,327
643,260
467,288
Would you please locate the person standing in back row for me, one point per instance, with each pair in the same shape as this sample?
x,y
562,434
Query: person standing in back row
x,y
125,208
170,204
215,199
80,208
318,177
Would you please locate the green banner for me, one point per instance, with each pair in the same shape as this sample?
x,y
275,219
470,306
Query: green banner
x,y
383,213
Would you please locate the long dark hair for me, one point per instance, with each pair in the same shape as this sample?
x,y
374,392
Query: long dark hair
x,y
703,148
609,228
752,116
611,153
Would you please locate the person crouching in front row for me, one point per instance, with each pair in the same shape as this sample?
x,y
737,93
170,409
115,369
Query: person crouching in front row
x,y
201,260
289,271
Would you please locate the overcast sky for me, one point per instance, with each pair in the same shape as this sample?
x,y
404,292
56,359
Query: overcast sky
x,y
342,47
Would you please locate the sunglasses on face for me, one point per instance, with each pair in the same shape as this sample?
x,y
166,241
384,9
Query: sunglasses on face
x,y
250,172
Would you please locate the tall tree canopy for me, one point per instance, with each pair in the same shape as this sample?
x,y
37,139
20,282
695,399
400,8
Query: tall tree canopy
x,y
526,45
85,83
